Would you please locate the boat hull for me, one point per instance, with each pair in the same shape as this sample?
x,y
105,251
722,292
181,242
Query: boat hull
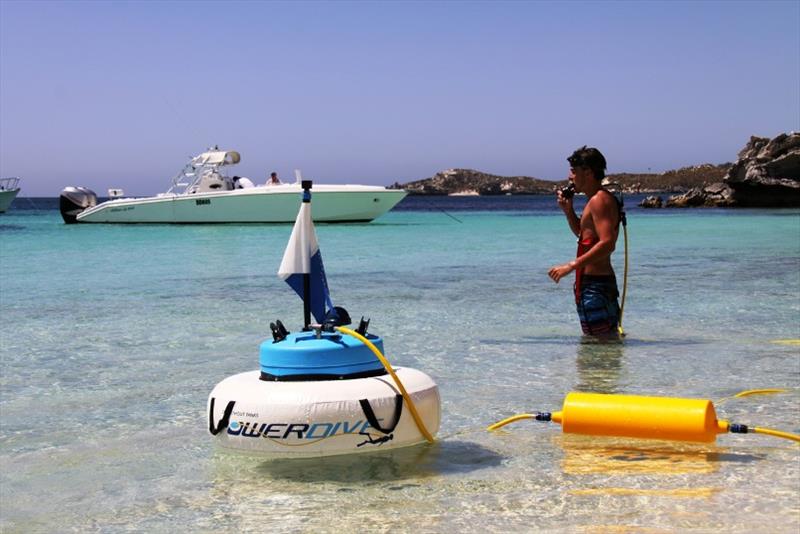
x,y
320,418
276,204
6,198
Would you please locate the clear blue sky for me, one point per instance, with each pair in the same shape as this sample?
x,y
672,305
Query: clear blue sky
x,y
119,94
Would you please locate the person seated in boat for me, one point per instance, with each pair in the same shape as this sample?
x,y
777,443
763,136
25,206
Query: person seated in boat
x,y
597,230
273,179
240,182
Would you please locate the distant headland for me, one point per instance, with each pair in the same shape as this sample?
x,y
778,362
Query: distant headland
x,y
766,174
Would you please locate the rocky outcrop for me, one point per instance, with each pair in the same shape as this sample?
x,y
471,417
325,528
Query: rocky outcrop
x,y
459,181
719,195
652,202
674,181
767,174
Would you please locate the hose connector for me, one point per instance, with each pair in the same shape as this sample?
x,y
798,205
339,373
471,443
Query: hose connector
x,y
543,416
737,429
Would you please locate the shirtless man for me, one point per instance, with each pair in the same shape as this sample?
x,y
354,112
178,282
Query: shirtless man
x,y
597,230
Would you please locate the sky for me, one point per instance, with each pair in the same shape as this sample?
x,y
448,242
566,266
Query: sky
x,y
121,94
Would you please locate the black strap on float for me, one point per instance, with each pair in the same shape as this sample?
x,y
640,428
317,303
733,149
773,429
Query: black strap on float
x,y
223,423
373,421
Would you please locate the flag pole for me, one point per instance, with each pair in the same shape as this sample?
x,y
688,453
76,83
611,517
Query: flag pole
x,y
306,185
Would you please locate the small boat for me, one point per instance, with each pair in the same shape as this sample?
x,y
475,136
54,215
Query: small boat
x,y
202,192
465,193
325,390
9,187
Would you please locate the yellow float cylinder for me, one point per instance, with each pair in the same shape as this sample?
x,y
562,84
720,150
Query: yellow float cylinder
x,y
640,417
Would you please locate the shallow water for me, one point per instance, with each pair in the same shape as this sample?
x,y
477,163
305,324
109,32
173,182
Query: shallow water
x,y
113,336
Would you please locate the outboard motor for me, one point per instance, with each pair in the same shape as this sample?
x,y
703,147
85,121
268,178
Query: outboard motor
x,y
74,200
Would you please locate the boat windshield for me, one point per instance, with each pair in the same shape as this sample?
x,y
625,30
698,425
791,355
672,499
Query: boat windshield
x,y
203,173
7,184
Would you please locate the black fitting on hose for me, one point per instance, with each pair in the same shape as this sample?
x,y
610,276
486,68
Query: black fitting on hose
x,y
737,429
543,416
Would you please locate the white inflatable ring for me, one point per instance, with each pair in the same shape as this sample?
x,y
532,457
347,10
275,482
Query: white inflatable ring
x,y
320,418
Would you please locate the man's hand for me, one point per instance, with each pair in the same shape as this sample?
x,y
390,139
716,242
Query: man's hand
x,y
564,203
558,272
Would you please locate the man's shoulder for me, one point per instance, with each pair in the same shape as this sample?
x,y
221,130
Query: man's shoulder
x,y
603,197
602,202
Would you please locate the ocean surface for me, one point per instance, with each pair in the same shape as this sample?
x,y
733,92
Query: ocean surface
x,y
113,336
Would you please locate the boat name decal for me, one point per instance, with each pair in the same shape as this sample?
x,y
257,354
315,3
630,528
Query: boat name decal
x,y
202,201
125,208
313,431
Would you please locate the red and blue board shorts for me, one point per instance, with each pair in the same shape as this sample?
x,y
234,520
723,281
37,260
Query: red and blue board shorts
x,y
597,305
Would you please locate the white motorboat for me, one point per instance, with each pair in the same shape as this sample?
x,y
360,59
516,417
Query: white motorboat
x,y
204,193
465,193
9,187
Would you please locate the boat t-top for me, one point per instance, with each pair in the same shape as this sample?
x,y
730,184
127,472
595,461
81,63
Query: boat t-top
x,y
203,192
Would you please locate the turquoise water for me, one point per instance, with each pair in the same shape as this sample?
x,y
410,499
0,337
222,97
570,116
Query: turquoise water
x,y
113,336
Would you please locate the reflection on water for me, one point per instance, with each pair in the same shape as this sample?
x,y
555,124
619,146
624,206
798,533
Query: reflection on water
x,y
599,365
570,339
418,462
682,493
612,470
619,457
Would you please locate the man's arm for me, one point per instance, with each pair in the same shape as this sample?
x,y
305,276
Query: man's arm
x,y
566,206
560,271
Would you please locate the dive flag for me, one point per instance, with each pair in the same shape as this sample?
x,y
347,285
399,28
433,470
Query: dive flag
x,y
302,256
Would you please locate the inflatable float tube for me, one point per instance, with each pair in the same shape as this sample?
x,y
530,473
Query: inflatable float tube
x,y
320,394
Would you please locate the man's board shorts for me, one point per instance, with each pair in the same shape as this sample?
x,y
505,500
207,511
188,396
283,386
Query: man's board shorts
x,y
596,301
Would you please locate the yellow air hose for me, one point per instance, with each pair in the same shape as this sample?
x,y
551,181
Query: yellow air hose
x,y
511,419
776,433
406,397
624,222
759,392
790,342
624,281
750,392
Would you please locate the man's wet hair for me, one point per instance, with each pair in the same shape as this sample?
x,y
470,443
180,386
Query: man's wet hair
x,y
590,158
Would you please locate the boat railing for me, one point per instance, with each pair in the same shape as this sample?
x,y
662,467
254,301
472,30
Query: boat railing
x,y
9,184
190,175
186,178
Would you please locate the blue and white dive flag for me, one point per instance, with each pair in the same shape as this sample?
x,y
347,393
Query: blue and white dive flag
x,y
302,256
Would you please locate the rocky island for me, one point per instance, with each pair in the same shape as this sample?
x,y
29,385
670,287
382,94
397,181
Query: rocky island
x,y
460,182
766,174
